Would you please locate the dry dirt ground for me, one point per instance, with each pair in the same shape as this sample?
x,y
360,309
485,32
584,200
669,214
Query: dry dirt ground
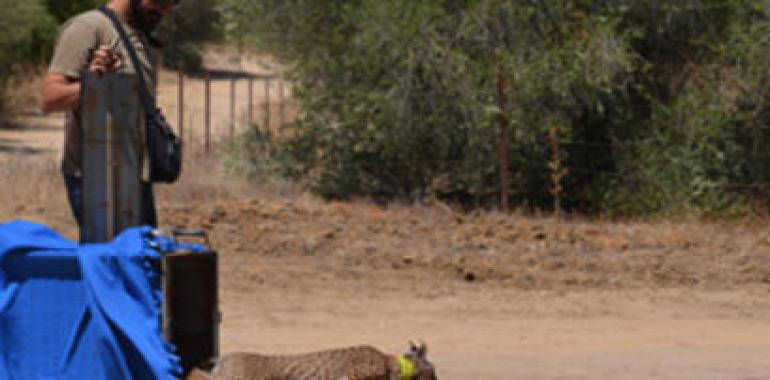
x,y
496,296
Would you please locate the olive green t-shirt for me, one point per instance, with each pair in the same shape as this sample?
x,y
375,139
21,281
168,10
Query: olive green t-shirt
x,y
77,40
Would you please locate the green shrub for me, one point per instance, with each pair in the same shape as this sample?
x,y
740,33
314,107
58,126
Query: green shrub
x,y
25,31
63,10
661,107
192,24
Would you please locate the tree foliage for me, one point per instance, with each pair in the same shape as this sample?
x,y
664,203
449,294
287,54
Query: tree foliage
x,y
25,28
659,107
193,22
63,10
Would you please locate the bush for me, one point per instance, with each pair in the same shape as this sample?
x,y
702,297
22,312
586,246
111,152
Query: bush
x,y
25,29
63,10
193,23
653,107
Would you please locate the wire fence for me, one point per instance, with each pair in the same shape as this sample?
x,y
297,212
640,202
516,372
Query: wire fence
x,y
210,107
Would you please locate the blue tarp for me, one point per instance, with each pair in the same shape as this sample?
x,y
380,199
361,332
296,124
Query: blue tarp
x,y
91,311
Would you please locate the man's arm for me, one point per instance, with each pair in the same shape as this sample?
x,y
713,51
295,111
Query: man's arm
x,y
59,93
62,93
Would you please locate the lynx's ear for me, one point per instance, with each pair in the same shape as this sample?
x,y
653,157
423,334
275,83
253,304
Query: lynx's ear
x,y
418,350
422,350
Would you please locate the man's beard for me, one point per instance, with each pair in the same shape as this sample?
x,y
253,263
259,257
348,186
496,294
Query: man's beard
x,y
144,20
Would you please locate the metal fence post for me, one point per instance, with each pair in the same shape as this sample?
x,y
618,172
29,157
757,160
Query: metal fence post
x,y
281,116
250,112
207,95
232,108
267,105
180,100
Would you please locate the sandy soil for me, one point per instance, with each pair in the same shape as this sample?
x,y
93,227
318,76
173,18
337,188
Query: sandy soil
x,y
291,285
495,296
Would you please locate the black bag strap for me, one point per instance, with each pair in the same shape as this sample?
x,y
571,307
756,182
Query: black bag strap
x,y
148,101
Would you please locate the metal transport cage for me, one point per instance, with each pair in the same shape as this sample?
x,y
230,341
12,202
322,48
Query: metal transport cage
x,y
191,314
48,329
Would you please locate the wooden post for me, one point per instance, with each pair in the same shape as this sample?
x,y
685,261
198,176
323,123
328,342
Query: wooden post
x,y
267,106
503,141
557,170
112,159
180,100
251,102
232,108
207,95
281,95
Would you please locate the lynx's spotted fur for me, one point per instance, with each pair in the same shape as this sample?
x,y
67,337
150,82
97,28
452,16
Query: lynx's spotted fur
x,y
352,363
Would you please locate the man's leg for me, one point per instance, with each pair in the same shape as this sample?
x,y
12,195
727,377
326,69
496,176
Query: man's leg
x,y
74,187
75,196
149,216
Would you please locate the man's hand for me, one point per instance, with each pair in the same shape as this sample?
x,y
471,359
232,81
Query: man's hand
x,y
62,93
104,60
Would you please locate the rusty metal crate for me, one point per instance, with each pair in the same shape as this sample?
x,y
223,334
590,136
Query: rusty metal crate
x,y
191,314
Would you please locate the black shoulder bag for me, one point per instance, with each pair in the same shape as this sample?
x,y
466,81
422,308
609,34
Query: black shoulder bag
x,y
163,147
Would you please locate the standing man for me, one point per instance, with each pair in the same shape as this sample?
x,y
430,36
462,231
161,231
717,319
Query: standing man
x,y
89,42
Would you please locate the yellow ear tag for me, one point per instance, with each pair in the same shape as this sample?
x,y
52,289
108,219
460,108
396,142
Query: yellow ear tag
x,y
407,367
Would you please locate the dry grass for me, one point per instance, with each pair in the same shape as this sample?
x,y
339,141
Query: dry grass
x,y
204,180
492,248
23,90
279,221
273,219
33,189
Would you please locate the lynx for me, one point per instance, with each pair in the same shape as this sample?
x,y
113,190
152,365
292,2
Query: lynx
x,y
352,363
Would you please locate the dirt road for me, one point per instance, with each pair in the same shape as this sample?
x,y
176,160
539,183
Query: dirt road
x,y
495,296
291,285
477,335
